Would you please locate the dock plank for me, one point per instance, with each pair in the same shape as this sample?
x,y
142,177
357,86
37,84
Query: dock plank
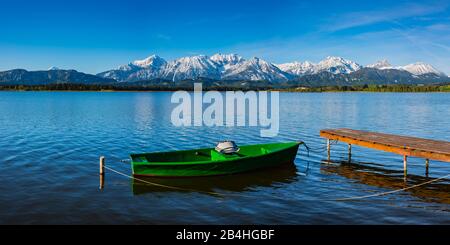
x,y
404,145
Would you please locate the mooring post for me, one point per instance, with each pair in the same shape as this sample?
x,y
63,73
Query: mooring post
x,y
349,152
102,165
102,182
427,165
328,148
405,164
102,172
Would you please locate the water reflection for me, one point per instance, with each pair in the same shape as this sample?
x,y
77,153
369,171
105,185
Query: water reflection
x,y
271,177
56,140
371,174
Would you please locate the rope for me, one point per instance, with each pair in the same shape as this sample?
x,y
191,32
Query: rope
x,y
308,149
240,195
394,191
377,194
160,185
319,149
180,188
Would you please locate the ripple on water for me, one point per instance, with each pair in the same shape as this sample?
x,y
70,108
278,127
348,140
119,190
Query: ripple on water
x,y
49,162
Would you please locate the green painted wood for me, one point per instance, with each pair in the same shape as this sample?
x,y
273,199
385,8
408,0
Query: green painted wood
x,y
206,162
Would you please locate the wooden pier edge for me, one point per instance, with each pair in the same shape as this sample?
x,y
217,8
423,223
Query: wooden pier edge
x,y
402,145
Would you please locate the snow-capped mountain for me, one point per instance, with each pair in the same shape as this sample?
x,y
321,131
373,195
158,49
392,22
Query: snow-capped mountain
x,y
148,68
191,68
421,68
218,66
255,69
381,64
332,64
337,65
298,68
418,68
225,61
120,74
153,61
234,67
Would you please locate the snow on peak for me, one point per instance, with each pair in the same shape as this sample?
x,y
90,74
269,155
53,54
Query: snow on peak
x,y
147,68
420,68
234,67
154,61
229,58
298,68
193,59
381,64
255,69
258,63
226,60
191,67
54,68
331,64
337,65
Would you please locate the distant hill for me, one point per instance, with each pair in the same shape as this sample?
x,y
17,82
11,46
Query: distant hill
x,y
24,77
368,75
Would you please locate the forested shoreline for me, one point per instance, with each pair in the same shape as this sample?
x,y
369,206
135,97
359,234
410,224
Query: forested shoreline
x,y
110,87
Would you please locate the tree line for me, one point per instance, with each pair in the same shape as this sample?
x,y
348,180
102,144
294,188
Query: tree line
x,y
110,87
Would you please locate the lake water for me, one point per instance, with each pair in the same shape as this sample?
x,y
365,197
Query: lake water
x,y
50,143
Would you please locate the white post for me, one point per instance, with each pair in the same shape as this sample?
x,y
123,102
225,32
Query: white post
x,y
328,148
349,152
405,164
102,165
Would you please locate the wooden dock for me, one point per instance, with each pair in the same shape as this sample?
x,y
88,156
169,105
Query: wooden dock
x,y
402,145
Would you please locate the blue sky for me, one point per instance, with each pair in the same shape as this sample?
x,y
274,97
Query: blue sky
x,y
93,36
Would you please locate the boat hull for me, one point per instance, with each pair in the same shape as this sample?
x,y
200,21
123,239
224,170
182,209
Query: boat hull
x,y
230,165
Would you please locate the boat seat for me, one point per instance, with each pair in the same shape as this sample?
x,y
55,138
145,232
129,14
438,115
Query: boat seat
x,y
216,156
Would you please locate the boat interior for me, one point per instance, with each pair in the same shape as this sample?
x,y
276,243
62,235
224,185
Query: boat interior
x,y
208,154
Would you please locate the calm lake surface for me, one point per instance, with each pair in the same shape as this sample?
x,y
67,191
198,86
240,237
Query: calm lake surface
x,y
50,143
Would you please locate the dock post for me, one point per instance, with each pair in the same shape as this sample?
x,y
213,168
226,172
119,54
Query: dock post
x,y
102,172
427,165
102,165
328,148
349,153
102,182
405,164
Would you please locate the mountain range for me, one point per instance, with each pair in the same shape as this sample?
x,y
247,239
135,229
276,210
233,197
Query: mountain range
x,y
232,67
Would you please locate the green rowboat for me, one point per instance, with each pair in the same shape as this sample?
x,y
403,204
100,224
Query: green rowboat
x,y
207,162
